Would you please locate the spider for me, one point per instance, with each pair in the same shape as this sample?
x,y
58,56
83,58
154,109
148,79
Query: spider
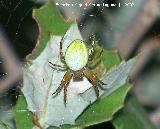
x,y
75,62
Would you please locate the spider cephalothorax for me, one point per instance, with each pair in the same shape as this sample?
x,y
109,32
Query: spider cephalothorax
x,y
75,62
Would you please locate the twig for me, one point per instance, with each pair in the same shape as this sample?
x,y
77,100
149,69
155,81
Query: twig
x,y
11,65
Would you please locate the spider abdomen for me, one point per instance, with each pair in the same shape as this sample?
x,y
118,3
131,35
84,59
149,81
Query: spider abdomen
x,y
76,55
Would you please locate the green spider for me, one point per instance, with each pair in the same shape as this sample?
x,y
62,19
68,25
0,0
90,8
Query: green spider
x,y
75,61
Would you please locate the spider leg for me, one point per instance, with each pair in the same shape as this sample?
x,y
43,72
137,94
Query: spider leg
x,y
92,56
64,84
97,60
61,46
100,85
61,57
57,66
94,80
58,90
91,51
96,90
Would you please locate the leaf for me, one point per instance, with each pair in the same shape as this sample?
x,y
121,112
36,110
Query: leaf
x,y
50,21
111,58
103,109
40,81
114,79
23,117
133,116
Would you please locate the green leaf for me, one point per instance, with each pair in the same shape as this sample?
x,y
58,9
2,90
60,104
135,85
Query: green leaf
x,y
132,116
40,80
50,21
104,109
23,117
111,58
